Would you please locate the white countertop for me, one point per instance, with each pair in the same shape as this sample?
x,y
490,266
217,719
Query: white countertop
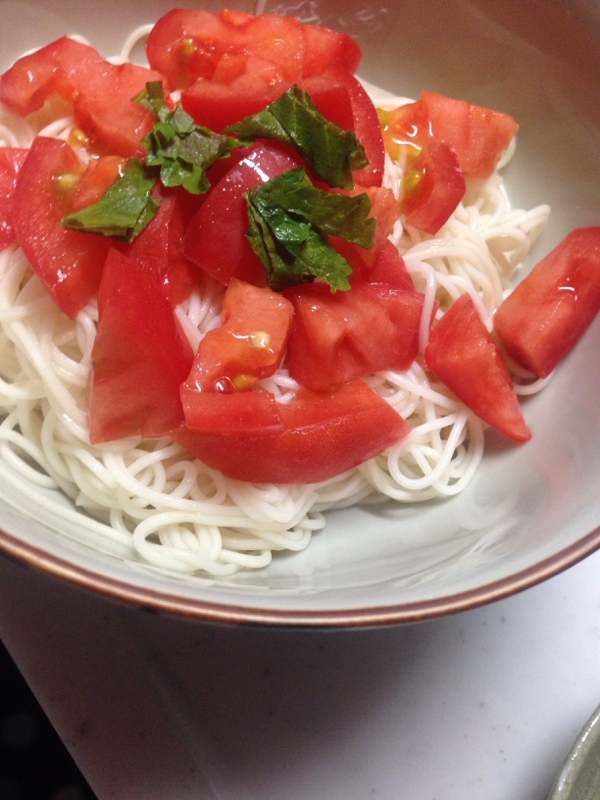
x,y
483,705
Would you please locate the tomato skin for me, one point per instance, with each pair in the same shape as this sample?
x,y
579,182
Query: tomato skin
x,y
140,356
324,435
11,161
100,91
438,192
464,356
68,262
335,338
248,345
548,312
216,238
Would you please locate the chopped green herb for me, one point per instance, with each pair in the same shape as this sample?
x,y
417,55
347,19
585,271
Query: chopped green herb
x,y
331,152
124,209
290,221
182,149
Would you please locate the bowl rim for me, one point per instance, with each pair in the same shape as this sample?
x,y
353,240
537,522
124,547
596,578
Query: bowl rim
x,y
202,610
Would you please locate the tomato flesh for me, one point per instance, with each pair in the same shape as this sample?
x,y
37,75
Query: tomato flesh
x,y
248,345
101,92
337,337
548,311
68,262
140,356
464,356
439,188
234,414
11,160
324,435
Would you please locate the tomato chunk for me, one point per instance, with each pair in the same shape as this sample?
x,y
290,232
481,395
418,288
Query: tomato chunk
x,y
11,160
337,337
548,312
324,434
248,345
140,356
68,262
464,356
159,247
187,44
439,188
216,238
478,134
234,414
327,49
367,127
101,91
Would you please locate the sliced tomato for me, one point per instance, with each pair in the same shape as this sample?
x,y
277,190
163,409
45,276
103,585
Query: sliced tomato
x,y
216,237
159,247
11,160
234,414
68,262
548,312
464,356
439,186
187,44
327,49
98,176
390,268
217,105
478,134
248,345
337,337
367,127
105,110
140,356
101,91
324,435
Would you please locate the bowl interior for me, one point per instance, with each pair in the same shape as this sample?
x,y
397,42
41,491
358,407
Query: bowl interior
x,y
531,510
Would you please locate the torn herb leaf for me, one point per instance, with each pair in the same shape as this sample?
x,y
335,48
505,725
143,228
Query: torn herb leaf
x,y
124,209
331,152
290,221
182,149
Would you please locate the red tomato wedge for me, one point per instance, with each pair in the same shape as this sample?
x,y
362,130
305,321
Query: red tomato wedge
x,y
101,91
11,160
479,135
140,356
324,435
216,238
328,49
68,262
367,128
548,312
464,356
390,268
248,345
237,414
159,247
337,337
440,186
98,176
187,44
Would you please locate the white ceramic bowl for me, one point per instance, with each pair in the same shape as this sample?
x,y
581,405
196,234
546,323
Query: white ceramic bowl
x,y
532,510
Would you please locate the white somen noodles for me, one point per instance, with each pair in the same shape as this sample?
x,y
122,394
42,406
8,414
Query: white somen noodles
x,y
168,507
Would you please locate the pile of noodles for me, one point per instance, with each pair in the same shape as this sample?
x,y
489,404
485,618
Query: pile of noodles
x,y
171,510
